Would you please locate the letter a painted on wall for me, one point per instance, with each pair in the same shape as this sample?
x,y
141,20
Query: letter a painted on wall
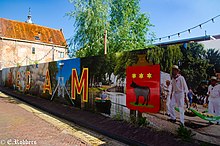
x,y
83,84
143,88
18,80
47,83
28,80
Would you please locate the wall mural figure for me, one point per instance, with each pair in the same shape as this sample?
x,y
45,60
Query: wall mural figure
x,y
143,88
60,87
141,91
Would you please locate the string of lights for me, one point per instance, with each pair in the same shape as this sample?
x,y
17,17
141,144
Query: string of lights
x,y
40,58
22,60
187,30
35,61
45,55
58,51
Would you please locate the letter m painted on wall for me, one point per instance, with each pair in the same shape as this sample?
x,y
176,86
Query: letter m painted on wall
x,y
80,85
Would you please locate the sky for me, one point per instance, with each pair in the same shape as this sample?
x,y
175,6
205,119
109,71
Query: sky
x,y
167,16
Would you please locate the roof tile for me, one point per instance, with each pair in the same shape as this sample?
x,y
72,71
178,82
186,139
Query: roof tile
x,y
26,31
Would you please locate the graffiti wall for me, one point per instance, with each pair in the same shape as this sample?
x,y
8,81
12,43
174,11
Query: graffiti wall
x,y
101,83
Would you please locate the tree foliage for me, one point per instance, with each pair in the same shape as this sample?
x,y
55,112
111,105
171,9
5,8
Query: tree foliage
x,y
123,60
127,27
194,64
90,22
213,56
172,55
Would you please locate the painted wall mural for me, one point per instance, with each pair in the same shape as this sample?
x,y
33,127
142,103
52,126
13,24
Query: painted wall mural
x,y
127,79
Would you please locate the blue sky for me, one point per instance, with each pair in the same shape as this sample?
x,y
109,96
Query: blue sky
x,y
167,16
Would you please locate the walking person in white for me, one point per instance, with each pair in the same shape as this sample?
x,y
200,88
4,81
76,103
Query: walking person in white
x,y
179,91
167,89
214,98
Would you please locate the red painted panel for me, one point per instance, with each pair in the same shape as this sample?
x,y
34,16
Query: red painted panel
x,y
143,82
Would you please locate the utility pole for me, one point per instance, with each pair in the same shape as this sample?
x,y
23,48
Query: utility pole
x,y
105,42
52,53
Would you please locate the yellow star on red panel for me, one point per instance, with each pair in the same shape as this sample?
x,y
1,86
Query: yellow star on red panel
x,y
134,76
149,75
141,75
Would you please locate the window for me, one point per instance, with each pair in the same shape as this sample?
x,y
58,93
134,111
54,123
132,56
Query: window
x,y
61,54
37,37
33,50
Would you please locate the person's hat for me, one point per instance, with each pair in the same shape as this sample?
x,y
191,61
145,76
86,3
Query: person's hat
x,y
214,78
175,67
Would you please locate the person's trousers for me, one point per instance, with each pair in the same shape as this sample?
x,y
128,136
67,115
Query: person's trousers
x,y
190,101
214,107
177,98
168,105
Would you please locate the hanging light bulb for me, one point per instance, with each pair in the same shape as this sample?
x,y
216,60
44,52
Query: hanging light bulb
x,y
213,21
169,37
159,39
200,26
189,31
178,34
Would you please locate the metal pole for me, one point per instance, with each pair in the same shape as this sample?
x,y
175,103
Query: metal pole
x,y
105,42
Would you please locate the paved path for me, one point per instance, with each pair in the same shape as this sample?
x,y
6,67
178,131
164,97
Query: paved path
x,y
21,124
202,129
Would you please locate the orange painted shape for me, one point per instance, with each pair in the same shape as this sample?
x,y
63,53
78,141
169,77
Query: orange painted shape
x,y
28,80
47,84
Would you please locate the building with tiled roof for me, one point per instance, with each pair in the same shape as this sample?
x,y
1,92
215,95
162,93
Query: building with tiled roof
x,y
24,43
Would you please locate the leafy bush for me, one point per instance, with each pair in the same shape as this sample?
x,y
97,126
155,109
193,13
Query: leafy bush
x,y
184,133
142,121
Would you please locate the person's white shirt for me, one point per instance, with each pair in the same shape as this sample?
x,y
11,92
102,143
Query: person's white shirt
x,y
214,92
179,85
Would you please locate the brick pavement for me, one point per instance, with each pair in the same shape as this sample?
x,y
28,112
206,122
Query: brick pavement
x,y
17,124
20,123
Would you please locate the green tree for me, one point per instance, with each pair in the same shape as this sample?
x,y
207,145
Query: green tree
x,y
171,55
166,57
109,65
213,57
155,54
194,64
90,22
123,60
94,63
128,26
